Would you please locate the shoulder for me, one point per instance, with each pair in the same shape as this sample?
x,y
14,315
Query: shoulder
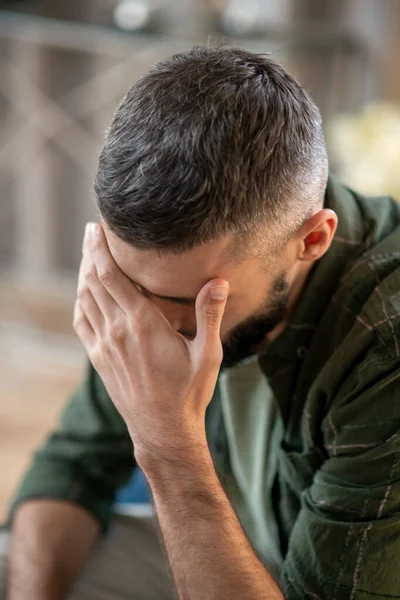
x,y
363,372
360,376
368,299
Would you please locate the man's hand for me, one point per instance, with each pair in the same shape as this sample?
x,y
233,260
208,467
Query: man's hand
x,y
160,382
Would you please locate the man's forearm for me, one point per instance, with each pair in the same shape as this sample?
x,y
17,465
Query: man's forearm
x,y
209,554
51,542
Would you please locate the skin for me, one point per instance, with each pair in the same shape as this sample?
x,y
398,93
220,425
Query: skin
x,y
51,541
161,381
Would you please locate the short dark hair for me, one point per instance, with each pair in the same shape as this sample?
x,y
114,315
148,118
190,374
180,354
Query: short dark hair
x,y
211,142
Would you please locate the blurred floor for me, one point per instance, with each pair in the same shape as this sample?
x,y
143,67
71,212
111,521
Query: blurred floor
x,y
40,364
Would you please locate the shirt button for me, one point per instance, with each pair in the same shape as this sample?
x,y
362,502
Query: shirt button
x,y
301,351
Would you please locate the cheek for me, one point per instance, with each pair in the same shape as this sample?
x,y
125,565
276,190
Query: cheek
x,y
238,311
235,313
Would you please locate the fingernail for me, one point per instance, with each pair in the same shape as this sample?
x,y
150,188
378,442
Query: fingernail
x,y
219,292
93,230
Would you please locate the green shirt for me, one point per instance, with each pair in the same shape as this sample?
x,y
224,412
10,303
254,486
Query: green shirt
x,y
306,437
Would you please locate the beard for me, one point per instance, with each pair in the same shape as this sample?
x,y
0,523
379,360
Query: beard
x,y
244,339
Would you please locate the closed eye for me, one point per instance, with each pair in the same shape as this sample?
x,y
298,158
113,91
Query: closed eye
x,y
190,302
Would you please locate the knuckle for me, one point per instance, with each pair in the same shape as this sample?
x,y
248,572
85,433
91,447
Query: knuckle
x,y
142,327
103,349
211,316
107,276
116,333
89,273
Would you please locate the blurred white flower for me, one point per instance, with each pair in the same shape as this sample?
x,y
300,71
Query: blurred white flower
x,y
132,15
365,148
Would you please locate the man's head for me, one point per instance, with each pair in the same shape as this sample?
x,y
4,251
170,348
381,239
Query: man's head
x,y
215,166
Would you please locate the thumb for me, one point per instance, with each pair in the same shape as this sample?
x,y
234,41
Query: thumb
x,y
210,307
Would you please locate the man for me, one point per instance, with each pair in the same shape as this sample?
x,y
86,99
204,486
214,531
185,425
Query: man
x,y
276,475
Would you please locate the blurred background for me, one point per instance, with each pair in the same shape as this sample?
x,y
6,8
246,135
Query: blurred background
x,y
63,67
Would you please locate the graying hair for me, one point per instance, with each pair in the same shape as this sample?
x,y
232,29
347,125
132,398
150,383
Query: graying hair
x,y
211,142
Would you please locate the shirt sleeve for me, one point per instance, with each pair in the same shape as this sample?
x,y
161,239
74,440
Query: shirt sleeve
x,y
86,459
345,544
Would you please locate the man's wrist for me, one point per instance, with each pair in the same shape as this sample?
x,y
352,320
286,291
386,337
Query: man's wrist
x,y
177,461
179,450
186,484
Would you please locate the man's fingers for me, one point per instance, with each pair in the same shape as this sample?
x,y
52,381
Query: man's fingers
x,y
111,282
87,271
89,278
82,327
210,307
91,309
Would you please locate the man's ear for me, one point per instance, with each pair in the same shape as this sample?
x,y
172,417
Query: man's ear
x,y
316,235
